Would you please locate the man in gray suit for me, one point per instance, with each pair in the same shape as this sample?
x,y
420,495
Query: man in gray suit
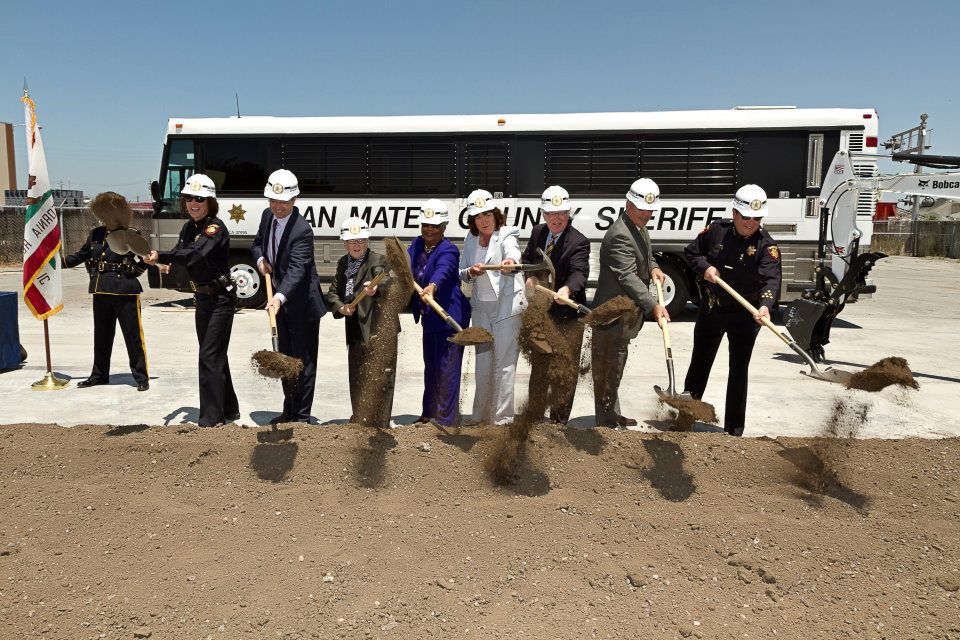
x,y
626,268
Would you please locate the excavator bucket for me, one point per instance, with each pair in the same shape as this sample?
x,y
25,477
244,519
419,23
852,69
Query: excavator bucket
x,y
801,318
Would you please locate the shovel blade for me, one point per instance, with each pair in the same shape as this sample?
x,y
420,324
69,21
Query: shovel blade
x,y
662,393
830,374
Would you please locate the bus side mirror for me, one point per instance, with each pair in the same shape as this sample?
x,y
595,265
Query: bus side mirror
x,y
155,190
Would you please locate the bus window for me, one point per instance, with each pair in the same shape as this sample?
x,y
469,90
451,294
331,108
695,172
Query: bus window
x,y
528,173
240,165
775,160
593,166
327,166
691,165
486,165
181,164
426,166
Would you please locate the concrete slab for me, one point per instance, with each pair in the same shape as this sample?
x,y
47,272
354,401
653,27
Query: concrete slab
x,y
912,315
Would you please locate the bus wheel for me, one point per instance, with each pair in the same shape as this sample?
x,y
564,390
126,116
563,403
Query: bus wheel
x,y
251,293
676,291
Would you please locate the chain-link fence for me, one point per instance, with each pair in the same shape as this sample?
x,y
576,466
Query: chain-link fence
x,y
917,238
75,226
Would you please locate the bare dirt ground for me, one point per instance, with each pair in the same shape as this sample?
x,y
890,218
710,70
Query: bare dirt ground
x,y
178,532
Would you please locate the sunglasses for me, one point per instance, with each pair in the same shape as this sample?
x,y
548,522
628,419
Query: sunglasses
x,y
194,198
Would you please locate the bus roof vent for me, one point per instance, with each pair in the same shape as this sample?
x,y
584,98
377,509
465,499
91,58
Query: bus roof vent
x,y
762,106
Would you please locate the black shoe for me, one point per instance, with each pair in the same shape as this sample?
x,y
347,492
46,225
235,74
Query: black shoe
x,y
89,382
230,417
143,386
279,419
624,421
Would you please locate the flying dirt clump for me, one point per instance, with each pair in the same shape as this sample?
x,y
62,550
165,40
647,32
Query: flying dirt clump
x,y
689,411
472,336
882,374
616,308
273,364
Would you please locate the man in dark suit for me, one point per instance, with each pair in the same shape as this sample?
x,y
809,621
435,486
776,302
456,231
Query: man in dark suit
x,y
627,266
283,248
569,251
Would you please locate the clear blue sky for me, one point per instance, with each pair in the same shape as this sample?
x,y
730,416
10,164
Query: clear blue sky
x,y
107,75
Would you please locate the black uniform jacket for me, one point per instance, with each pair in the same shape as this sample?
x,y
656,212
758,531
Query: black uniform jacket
x,y
751,266
571,261
109,272
203,248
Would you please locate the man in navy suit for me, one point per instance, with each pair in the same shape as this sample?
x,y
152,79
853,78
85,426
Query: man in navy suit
x,y
284,248
435,264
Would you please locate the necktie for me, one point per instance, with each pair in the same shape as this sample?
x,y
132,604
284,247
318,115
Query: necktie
x,y
275,239
550,243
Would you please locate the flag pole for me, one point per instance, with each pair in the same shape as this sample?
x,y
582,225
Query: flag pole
x,y
36,272
49,382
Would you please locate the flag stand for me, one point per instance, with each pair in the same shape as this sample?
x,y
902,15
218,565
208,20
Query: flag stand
x,y
50,382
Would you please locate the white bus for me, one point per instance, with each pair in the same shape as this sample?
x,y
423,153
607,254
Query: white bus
x,y
383,168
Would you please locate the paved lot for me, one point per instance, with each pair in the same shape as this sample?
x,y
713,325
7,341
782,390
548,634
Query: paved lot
x,y
914,315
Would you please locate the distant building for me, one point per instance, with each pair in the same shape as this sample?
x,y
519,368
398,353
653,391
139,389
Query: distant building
x,y
61,197
8,160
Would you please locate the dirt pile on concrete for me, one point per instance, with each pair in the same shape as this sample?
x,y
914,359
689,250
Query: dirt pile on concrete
x,y
882,374
620,307
273,364
335,535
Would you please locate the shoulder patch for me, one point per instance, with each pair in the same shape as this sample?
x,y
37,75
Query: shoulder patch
x,y
774,251
211,230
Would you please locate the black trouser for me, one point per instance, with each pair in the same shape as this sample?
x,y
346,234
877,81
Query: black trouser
x,y
300,340
741,331
108,310
214,320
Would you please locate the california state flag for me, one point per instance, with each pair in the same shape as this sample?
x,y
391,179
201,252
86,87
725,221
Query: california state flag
x,y
42,290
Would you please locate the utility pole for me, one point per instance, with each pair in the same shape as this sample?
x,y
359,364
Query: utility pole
x,y
921,135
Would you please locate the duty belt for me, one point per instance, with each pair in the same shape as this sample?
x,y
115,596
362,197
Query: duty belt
x,y
210,289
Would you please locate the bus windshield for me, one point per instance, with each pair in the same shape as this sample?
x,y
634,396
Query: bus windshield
x,y
181,164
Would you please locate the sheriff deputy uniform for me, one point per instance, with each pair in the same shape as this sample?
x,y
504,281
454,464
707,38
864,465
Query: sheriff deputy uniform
x,y
751,266
116,294
204,249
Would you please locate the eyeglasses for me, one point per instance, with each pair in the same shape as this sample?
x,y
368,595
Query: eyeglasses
x,y
194,198
553,214
356,242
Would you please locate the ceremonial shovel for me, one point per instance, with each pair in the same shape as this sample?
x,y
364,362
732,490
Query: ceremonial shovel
x,y
829,374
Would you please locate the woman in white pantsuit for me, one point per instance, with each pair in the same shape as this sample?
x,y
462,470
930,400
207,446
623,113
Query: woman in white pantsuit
x,y
497,298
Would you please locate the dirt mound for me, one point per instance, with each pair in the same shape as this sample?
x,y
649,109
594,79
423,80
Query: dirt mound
x,y
273,364
354,532
882,374
616,308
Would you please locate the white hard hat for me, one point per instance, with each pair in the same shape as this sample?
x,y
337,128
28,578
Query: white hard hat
x,y
750,201
433,211
354,229
554,199
645,195
199,185
281,185
478,201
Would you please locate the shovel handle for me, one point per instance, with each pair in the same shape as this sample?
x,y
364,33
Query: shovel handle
x,y
754,311
663,323
436,307
567,301
273,318
363,292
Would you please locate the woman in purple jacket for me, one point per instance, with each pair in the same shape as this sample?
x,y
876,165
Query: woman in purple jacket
x,y
435,263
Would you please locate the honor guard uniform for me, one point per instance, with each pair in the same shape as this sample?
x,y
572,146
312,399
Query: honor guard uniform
x,y
204,249
744,255
116,293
